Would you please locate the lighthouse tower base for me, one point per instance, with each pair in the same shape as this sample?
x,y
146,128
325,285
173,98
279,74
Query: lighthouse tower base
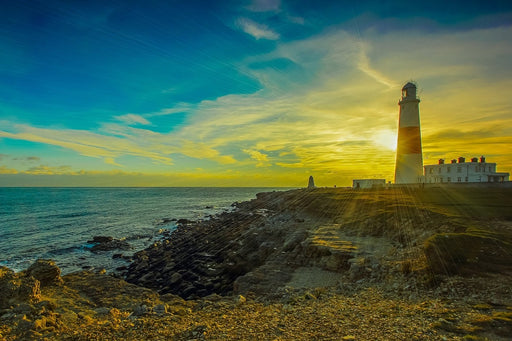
x,y
406,171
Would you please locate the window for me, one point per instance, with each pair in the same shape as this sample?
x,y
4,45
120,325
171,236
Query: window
x,y
441,179
439,170
431,170
466,179
459,179
476,168
490,169
459,169
448,170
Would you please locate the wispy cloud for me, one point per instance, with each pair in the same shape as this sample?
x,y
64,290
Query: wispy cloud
x,y
258,31
5,170
48,170
262,159
363,64
132,119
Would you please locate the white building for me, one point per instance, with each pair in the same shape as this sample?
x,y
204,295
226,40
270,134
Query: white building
x,y
368,183
461,171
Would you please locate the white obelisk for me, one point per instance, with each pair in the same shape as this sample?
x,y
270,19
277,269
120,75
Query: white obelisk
x,y
409,159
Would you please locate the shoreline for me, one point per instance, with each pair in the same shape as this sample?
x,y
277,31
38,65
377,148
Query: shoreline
x,y
329,260
58,223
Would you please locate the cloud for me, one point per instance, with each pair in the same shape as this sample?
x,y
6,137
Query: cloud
x,y
262,159
114,141
203,151
363,64
47,170
5,170
257,31
132,119
33,158
334,114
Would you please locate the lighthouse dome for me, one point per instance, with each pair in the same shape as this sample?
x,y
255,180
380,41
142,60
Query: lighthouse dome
x,y
409,91
409,85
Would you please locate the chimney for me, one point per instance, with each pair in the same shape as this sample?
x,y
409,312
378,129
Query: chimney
x,y
441,161
462,160
482,159
454,161
474,159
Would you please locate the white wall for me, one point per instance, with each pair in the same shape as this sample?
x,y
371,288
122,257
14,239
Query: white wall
x,y
464,172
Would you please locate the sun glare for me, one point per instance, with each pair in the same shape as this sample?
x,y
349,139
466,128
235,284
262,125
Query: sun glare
x,y
386,139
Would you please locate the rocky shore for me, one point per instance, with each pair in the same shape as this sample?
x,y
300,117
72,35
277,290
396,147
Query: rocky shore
x,y
399,263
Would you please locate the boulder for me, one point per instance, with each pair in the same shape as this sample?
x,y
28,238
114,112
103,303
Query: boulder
x,y
16,289
45,271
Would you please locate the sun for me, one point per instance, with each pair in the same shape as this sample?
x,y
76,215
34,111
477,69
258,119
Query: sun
x,y
386,139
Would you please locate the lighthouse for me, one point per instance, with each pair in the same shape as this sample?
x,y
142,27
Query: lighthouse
x,y
409,159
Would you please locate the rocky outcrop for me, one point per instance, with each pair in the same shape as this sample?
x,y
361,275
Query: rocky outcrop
x,y
17,288
352,236
45,271
107,243
255,249
20,299
203,258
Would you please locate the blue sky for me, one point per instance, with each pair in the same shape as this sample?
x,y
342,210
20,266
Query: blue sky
x,y
236,93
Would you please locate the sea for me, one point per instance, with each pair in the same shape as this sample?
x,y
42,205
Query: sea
x,y
57,223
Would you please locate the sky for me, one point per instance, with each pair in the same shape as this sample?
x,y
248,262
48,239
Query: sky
x,y
246,93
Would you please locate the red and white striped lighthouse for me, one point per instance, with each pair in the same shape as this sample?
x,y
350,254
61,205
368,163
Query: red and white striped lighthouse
x,y
409,159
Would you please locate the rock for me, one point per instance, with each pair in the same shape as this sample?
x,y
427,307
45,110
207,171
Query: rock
x,y
16,288
141,310
45,271
109,244
40,323
241,299
160,309
24,325
23,308
184,221
46,305
115,313
102,311
101,239
8,286
175,278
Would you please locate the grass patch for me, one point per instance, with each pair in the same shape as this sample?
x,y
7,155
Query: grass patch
x,y
474,250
